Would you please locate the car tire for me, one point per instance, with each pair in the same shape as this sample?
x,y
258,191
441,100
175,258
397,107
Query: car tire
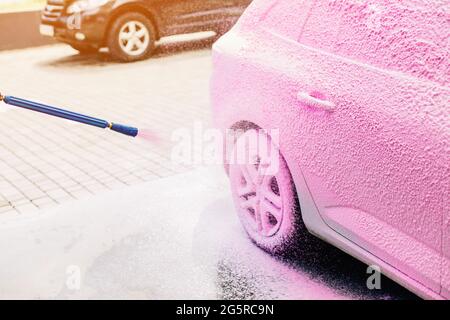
x,y
84,49
258,195
131,37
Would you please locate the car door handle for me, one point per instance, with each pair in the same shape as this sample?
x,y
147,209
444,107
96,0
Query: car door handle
x,y
314,102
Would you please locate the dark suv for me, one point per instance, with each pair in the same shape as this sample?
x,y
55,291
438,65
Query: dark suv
x,y
130,28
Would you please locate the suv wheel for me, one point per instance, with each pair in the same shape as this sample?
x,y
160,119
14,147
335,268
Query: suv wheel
x,y
131,37
264,194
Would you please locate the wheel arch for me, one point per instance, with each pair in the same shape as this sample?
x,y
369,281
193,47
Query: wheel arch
x,y
237,129
132,7
244,125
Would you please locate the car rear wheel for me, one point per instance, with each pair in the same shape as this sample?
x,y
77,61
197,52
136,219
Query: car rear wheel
x,y
264,194
131,37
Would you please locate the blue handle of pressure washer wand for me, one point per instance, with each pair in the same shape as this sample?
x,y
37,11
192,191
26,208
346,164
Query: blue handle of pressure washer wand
x,y
69,115
127,130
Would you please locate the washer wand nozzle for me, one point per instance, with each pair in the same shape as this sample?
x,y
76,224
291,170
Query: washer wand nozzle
x,y
69,115
126,130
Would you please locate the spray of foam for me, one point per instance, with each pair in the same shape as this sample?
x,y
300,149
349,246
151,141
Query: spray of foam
x,y
148,135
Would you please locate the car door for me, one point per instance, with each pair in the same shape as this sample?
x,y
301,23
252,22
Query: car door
x,y
375,115
232,8
179,15
446,244
193,11
217,11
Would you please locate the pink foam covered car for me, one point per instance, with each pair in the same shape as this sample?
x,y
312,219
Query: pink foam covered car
x,y
358,95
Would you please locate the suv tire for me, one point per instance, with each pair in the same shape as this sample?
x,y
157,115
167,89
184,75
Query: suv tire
x,y
131,37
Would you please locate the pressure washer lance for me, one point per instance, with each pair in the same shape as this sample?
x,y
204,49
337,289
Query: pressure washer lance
x,y
69,115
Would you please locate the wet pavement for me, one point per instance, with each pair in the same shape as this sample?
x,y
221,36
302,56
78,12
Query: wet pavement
x,y
45,161
172,238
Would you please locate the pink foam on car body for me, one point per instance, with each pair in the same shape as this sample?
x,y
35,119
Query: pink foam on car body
x,y
360,93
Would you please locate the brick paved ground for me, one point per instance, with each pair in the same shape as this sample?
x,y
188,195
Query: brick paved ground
x,y
45,161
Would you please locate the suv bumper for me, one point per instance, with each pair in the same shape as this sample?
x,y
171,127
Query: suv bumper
x,y
87,27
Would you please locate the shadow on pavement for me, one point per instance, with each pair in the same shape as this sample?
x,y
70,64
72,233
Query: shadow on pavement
x,y
246,272
341,271
103,58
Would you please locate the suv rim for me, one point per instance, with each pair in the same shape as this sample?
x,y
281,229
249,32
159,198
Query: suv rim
x,y
259,198
134,38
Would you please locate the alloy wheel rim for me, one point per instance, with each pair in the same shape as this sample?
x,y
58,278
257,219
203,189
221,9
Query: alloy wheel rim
x,y
134,38
260,198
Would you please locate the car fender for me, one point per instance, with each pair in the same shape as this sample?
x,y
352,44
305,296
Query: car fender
x,y
121,6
